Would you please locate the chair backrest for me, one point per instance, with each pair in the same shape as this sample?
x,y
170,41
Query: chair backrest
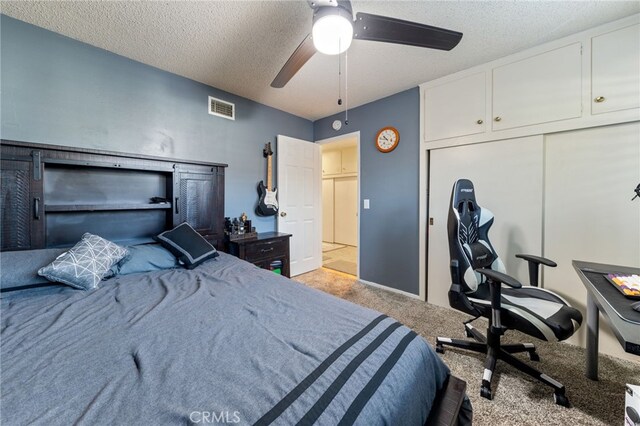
x,y
469,246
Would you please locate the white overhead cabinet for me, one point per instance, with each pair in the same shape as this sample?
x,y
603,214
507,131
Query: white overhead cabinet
x,y
538,89
586,80
331,162
350,160
615,70
455,108
338,162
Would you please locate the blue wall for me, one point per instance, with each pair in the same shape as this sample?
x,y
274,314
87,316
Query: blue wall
x,y
389,229
60,91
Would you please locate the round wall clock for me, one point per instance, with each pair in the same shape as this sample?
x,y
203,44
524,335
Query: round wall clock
x,y
387,139
337,125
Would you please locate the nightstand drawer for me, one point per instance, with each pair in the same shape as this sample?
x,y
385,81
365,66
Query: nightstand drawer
x,y
263,249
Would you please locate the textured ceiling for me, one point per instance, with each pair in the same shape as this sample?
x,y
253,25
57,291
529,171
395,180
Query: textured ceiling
x,y
239,46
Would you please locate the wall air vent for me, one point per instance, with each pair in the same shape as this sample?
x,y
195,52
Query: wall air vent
x,y
222,108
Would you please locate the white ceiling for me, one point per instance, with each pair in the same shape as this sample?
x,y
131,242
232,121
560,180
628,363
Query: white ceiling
x,y
239,46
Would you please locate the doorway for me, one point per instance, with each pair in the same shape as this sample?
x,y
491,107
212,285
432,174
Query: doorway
x,y
340,205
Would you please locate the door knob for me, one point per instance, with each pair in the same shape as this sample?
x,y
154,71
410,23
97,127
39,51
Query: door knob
x,y
283,214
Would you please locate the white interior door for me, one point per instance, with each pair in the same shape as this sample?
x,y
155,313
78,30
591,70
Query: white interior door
x,y
589,181
507,176
327,210
300,201
346,210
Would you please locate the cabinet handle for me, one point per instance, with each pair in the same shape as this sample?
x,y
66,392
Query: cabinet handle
x,y
266,250
176,204
283,214
599,99
480,121
498,118
36,208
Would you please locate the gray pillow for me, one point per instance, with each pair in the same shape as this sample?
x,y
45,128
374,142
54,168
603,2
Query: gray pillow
x,y
145,258
187,245
20,268
85,264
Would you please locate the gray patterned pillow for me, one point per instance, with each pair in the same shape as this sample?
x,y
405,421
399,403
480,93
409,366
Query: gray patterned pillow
x,y
85,264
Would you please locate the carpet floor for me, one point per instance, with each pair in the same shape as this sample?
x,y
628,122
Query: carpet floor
x,y
517,399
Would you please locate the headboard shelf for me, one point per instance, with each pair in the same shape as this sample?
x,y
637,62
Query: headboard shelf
x,y
51,195
103,207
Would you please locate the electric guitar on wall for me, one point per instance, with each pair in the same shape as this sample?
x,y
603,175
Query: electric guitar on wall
x,y
267,202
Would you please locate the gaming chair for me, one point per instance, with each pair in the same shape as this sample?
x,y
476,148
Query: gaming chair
x,y
477,275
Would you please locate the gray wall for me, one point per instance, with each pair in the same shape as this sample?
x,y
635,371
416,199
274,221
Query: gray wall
x,y
57,90
389,230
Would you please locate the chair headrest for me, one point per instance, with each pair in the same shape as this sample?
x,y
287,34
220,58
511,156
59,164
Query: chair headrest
x,y
463,191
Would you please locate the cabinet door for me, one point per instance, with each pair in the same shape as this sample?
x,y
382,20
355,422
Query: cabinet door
x,y
539,89
457,108
194,200
346,211
615,70
512,191
22,207
350,160
327,210
331,163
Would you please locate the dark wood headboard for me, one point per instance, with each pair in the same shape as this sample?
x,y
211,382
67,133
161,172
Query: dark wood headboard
x,y
52,194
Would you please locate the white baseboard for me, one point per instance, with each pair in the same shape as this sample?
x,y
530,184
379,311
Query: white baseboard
x,y
393,290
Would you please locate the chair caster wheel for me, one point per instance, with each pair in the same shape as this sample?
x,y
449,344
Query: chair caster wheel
x,y
485,393
533,356
561,399
439,348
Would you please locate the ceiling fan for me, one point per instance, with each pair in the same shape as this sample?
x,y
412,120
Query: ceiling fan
x,y
334,28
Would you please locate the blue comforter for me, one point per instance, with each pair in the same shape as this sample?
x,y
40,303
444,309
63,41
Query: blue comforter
x,y
223,343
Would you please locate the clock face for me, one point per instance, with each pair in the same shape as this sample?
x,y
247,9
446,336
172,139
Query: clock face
x,y
387,139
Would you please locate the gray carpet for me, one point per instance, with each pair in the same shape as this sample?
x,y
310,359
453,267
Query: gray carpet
x,y
517,399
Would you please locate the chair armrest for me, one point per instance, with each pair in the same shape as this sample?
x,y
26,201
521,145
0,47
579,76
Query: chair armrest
x,y
537,260
534,261
496,278
499,277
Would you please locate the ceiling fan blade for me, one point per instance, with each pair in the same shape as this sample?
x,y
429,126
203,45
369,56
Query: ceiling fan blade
x,y
300,56
392,30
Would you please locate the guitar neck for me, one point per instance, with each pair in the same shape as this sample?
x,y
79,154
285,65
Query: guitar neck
x,y
269,171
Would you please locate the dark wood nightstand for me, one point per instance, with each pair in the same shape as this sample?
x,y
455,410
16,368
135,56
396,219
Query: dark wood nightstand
x,y
262,251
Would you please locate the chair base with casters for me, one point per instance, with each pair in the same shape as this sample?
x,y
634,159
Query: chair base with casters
x,y
490,344
478,276
496,351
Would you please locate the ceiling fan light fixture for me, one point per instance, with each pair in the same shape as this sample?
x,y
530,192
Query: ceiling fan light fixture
x,y
332,32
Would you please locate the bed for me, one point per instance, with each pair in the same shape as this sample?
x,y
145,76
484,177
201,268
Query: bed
x,y
225,342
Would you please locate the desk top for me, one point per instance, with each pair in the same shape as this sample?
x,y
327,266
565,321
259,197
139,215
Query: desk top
x,y
606,297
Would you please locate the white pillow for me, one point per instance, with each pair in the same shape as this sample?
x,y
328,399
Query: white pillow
x,y
85,264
